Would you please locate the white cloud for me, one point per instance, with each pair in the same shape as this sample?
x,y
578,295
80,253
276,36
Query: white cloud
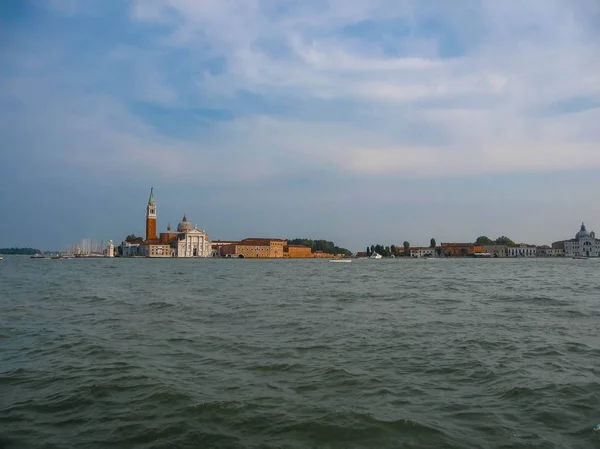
x,y
412,112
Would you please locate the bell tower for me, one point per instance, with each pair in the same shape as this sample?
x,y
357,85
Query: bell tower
x,y
151,217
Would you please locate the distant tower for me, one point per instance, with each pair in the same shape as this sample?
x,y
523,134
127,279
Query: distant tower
x,y
151,217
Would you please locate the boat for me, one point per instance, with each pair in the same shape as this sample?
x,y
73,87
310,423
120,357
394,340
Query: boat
x,y
0,257
580,257
340,260
38,256
375,256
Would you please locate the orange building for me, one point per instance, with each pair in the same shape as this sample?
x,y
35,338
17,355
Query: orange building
x,y
297,252
254,248
458,249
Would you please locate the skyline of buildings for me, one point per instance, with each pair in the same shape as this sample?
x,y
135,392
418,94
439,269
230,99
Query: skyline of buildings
x,y
190,242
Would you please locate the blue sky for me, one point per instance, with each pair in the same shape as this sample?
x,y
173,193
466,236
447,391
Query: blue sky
x,y
360,122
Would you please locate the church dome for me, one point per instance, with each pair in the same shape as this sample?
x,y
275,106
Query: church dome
x,y
583,233
184,225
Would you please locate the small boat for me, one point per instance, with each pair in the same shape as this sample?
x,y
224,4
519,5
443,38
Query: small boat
x,y
375,256
1,258
580,257
38,256
341,260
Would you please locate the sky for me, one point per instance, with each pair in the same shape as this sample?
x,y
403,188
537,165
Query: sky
x,y
363,122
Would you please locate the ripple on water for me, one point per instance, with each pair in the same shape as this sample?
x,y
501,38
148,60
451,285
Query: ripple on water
x,y
298,354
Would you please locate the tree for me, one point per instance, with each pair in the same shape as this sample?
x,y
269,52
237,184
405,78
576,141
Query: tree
x,y
438,251
432,243
132,238
406,245
368,252
503,240
484,240
393,250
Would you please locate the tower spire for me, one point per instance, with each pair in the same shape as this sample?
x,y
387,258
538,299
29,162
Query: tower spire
x,y
151,217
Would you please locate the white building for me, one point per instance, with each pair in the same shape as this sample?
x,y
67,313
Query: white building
x,y
522,250
422,251
547,251
584,244
191,242
109,251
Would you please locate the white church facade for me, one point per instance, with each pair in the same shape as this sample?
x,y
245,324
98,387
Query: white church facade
x,y
585,244
191,242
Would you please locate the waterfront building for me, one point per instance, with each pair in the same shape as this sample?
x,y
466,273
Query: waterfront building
x,y
458,249
187,241
522,250
130,249
585,244
422,251
495,250
549,251
254,248
297,252
190,241
109,251
155,250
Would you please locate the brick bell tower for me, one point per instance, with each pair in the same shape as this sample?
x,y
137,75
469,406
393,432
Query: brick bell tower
x,y
151,217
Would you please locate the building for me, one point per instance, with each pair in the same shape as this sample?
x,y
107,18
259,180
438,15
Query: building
x,y
155,250
297,252
255,248
585,244
422,251
217,246
190,241
151,219
458,249
548,251
522,250
109,251
187,241
130,249
495,250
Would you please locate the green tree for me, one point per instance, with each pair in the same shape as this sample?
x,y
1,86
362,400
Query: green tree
x,y
432,243
394,250
321,245
406,245
20,251
132,238
484,240
503,240
368,252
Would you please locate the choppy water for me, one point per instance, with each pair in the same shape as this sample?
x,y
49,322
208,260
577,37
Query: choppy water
x,y
299,354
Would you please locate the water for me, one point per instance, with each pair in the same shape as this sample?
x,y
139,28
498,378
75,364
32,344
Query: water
x,y
299,354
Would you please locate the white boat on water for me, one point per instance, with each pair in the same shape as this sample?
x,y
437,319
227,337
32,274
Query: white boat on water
x,y
340,260
375,256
